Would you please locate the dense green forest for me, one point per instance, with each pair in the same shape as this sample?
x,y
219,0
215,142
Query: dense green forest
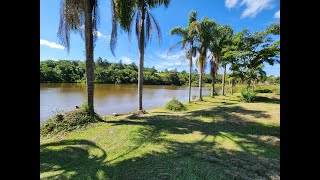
x,y
113,73
119,73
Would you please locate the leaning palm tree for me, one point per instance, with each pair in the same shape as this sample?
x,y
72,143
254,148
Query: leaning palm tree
x,y
188,36
123,13
205,31
73,15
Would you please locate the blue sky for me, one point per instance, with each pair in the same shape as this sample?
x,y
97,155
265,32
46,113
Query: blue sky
x,y
252,14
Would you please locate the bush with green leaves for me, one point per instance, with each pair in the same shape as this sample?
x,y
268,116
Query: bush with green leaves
x,y
68,121
263,90
248,96
175,105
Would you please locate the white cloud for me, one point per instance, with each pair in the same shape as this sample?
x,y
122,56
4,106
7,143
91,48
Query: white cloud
x,y
277,14
126,60
253,7
168,65
177,63
97,33
170,61
51,44
176,56
230,3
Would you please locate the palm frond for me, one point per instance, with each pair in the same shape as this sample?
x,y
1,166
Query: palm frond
x,y
192,16
95,18
148,28
138,16
114,29
180,31
174,46
157,3
71,18
157,27
123,12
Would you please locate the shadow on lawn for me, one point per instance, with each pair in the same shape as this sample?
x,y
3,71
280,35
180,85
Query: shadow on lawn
x,y
203,159
71,156
267,100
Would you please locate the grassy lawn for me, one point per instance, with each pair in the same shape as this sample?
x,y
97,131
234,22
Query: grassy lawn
x,y
237,88
211,140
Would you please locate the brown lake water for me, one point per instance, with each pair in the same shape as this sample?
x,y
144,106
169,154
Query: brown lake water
x,y
108,98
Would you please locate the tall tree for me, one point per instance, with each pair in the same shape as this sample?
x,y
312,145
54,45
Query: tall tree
x,y
188,36
73,15
123,13
253,50
221,38
205,31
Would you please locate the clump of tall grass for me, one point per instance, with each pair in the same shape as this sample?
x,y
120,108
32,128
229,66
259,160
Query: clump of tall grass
x,y
175,105
68,121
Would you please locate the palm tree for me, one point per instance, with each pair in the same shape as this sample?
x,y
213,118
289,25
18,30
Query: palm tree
x,y
123,13
221,38
73,14
188,36
205,31
214,66
257,73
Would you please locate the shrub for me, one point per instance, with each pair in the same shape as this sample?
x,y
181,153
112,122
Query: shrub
x,y
263,90
175,105
276,91
248,96
68,121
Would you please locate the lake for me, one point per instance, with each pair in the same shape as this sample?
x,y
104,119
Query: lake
x,y
108,98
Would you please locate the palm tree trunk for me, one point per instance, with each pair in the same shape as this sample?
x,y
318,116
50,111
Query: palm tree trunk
x,y
232,84
200,84
224,79
252,85
141,60
212,86
248,84
190,72
89,56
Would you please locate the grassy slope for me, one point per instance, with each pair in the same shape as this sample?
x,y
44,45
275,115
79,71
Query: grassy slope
x,y
212,140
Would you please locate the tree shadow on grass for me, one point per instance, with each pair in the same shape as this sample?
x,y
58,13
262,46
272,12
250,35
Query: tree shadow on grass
x,y
197,161
267,100
256,158
71,159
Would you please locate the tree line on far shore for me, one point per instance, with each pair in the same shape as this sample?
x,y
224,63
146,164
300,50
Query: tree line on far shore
x,y
105,72
73,71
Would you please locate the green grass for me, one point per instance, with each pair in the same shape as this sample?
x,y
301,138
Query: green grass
x,y
218,138
275,88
